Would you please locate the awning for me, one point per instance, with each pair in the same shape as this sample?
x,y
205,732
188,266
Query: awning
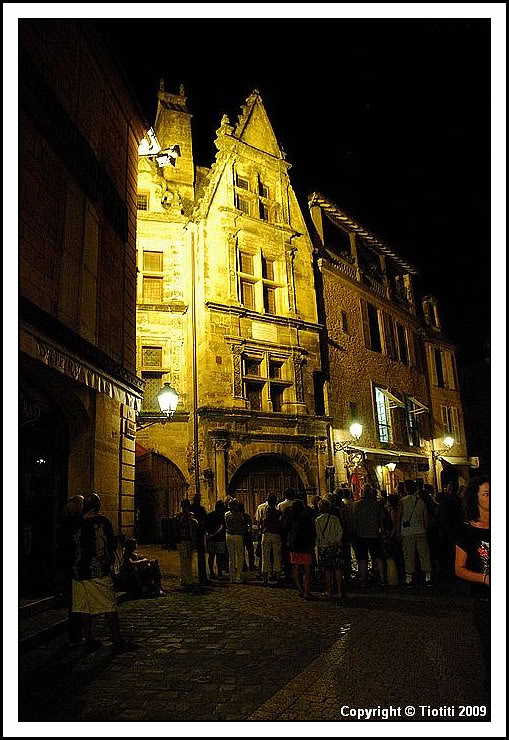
x,y
394,399
455,460
372,453
420,408
413,456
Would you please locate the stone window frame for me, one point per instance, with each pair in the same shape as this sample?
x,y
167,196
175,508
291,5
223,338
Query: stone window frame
x,y
261,285
145,282
263,379
143,194
383,417
412,411
451,423
254,201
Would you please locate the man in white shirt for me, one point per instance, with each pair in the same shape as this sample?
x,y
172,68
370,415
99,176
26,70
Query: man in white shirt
x,y
285,555
288,500
412,515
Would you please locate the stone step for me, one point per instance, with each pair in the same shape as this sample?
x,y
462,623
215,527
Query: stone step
x,y
42,625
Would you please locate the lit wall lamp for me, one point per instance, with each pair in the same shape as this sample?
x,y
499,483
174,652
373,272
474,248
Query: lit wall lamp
x,y
448,442
150,147
168,399
355,431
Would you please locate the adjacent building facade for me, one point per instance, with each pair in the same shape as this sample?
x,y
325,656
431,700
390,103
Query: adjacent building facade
x,y
79,132
387,364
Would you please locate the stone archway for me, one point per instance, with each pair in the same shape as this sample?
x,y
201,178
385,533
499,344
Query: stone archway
x,y
160,487
261,475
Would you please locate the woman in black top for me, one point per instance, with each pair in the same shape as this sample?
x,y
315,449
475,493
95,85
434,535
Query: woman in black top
x,y
473,559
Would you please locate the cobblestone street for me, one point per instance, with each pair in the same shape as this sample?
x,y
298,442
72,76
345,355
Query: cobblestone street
x,y
243,652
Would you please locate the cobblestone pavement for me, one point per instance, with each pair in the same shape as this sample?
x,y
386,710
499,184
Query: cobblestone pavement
x,y
244,652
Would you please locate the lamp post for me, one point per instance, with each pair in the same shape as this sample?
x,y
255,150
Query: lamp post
x,y
168,399
391,467
448,442
355,431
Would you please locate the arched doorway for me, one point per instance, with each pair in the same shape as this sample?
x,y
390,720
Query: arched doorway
x,y
43,460
258,477
160,487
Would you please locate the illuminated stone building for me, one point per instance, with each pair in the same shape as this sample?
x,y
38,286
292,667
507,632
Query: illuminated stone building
x,y
226,313
79,132
384,365
276,329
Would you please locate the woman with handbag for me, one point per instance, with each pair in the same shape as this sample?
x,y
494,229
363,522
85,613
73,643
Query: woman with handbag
x,y
329,534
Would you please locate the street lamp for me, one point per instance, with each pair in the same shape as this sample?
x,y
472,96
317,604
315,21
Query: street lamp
x,y
355,431
448,442
168,399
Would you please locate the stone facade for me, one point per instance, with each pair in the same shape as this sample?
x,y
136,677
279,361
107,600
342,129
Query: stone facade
x,y
446,407
79,133
235,329
276,329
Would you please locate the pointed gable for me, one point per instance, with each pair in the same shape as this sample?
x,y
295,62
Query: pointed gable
x,y
253,126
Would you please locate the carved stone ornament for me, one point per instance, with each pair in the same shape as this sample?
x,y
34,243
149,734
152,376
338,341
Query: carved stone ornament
x,y
237,371
299,388
232,248
289,258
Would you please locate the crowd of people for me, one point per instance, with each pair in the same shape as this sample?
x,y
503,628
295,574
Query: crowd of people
x,y
408,536
405,537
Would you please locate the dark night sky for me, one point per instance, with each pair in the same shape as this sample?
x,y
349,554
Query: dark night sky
x,y
387,118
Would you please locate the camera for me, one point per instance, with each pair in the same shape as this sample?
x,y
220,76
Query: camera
x,y
406,523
